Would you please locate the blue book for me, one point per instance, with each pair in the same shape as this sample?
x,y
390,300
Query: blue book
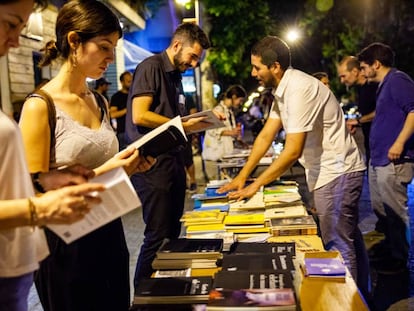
x,y
324,267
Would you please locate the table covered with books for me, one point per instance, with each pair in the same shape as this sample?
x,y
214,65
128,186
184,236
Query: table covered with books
x,y
259,254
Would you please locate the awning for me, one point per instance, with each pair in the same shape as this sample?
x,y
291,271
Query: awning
x,y
134,54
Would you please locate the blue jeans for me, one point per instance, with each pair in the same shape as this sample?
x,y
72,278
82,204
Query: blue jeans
x,y
14,292
336,205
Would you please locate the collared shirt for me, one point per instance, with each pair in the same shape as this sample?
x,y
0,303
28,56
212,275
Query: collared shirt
x,y
395,99
157,77
305,105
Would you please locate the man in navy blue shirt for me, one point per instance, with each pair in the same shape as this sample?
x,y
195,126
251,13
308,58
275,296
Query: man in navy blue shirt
x,y
155,97
392,151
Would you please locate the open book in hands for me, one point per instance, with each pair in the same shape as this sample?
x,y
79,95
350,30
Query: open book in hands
x,y
166,137
211,121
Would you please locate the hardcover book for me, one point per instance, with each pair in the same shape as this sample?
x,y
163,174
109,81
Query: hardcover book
x,y
190,248
173,290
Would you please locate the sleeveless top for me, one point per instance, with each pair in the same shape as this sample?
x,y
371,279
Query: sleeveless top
x,y
76,143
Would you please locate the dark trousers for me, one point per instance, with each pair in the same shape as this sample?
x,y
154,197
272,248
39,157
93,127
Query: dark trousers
x,y
89,274
162,194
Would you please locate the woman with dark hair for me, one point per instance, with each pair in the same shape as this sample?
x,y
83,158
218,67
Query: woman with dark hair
x,y
91,273
218,142
22,214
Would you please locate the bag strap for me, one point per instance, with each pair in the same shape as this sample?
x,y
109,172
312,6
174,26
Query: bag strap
x,y
102,104
51,115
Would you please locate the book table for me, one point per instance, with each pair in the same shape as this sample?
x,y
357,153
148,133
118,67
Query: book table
x,y
312,293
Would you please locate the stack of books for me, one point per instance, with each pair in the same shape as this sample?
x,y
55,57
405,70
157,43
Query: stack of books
x,y
203,221
245,223
255,276
201,224
188,253
173,291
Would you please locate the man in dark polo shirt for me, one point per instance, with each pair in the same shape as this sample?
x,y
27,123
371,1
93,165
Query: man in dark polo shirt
x,y
350,74
118,107
156,95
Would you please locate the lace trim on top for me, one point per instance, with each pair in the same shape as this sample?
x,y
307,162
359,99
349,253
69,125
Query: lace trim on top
x,y
76,143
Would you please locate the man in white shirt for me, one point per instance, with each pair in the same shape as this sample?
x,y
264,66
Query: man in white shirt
x,y
316,135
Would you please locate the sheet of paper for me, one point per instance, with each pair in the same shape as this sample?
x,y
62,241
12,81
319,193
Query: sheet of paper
x,y
118,199
210,122
147,137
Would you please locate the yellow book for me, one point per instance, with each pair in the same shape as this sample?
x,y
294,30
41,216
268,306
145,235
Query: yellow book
x,y
200,217
248,230
244,219
205,228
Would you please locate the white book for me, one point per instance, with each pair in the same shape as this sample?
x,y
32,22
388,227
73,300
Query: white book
x,y
285,212
118,199
211,121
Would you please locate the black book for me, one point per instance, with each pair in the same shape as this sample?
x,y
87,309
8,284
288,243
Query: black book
x,y
169,140
275,248
255,290
258,279
190,248
172,290
169,136
257,261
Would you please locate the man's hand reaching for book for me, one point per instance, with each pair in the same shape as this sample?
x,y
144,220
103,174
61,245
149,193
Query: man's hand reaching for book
x,y
196,124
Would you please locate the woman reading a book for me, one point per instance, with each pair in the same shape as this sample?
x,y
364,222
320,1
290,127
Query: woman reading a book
x,y
91,273
218,142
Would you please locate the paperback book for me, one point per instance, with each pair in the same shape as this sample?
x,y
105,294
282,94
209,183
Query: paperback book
x,y
285,212
211,121
173,290
256,290
327,264
257,261
190,248
164,138
302,225
275,248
